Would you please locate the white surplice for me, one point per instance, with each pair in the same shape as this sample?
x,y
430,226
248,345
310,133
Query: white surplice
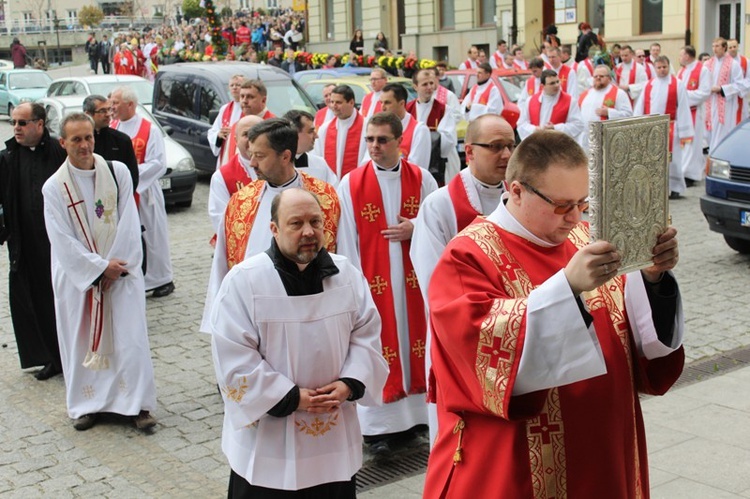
x,y
151,207
448,137
213,132
731,91
743,86
412,410
572,125
641,78
571,85
218,194
494,104
265,343
258,242
127,386
421,144
553,313
693,162
342,129
436,225
584,76
318,168
593,100
683,127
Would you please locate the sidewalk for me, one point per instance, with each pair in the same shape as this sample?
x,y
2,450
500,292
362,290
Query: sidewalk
x,y
698,440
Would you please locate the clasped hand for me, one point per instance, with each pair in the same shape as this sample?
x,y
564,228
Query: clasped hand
x,y
325,399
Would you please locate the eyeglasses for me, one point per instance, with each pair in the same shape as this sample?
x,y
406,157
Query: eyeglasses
x,y
22,122
560,209
374,78
104,110
379,140
496,147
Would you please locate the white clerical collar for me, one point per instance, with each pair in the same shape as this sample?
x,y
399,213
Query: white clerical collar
x,y
502,217
382,170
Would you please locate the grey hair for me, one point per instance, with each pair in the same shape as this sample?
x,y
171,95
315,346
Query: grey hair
x,y
127,94
90,102
74,118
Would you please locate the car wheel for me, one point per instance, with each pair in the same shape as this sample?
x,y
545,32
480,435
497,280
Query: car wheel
x,y
738,245
10,109
184,204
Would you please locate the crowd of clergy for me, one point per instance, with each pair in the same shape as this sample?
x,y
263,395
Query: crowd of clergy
x,y
498,340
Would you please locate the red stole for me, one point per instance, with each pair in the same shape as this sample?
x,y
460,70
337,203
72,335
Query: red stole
x,y
234,175
531,86
563,74
320,117
589,66
229,147
692,83
469,64
485,97
367,102
407,137
559,110
518,66
226,120
140,142
465,212
499,60
740,100
724,73
610,99
647,67
670,108
441,94
350,160
631,76
369,215
436,113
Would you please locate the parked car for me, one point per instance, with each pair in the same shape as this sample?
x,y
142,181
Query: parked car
x,y
359,84
726,204
102,85
6,64
316,74
187,97
178,184
21,85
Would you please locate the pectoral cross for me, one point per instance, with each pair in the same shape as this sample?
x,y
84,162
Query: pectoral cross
x,y
370,212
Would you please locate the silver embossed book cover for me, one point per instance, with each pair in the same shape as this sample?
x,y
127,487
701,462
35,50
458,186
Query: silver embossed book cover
x,y
629,185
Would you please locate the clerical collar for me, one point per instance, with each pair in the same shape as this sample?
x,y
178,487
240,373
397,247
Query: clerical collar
x,y
393,169
420,103
285,185
302,161
499,186
505,219
302,282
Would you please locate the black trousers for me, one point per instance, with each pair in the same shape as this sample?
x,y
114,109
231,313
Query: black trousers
x,y
239,488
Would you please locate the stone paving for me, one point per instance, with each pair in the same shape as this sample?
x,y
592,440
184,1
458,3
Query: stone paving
x,y
42,455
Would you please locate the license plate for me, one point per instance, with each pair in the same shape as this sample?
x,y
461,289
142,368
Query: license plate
x,y
745,218
165,183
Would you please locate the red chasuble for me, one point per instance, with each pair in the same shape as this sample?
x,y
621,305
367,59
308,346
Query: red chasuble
x,y
559,110
610,99
671,107
369,215
582,440
351,150
436,113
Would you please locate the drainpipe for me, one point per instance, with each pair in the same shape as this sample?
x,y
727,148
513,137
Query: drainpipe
x,y
687,22
514,23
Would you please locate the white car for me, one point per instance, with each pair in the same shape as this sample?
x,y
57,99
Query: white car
x,y
177,185
102,85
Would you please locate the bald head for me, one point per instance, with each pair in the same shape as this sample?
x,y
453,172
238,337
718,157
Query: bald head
x,y
490,141
240,132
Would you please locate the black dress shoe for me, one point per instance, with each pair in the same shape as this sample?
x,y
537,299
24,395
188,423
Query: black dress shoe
x,y
164,290
47,372
674,195
84,422
690,182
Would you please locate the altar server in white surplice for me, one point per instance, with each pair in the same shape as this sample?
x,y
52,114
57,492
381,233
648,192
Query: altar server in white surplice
x,y
378,204
290,418
550,109
95,236
721,106
664,95
148,144
476,191
603,101
696,79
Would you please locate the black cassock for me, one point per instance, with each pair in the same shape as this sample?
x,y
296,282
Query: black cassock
x,y
32,306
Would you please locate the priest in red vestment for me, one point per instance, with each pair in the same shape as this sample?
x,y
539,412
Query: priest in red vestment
x,y
540,348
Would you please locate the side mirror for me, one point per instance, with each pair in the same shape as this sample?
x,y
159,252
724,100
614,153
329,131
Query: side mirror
x,y
212,115
168,130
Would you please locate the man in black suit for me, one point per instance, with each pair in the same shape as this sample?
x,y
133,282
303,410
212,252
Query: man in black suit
x,y
104,47
277,58
290,65
109,143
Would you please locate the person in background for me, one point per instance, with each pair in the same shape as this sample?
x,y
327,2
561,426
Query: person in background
x,y
357,45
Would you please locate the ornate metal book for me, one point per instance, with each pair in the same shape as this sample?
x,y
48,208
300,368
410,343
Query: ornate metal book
x,y
629,185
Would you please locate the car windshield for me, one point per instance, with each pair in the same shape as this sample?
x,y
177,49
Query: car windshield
x,y
28,80
143,89
284,95
513,86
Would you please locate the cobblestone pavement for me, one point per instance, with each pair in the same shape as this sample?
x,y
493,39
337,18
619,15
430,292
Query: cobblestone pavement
x,y
42,455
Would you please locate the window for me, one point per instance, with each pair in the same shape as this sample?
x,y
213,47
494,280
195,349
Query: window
x,y
210,101
730,20
53,120
330,33
72,16
487,12
28,16
176,97
651,16
356,10
273,4
447,14
158,10
2,79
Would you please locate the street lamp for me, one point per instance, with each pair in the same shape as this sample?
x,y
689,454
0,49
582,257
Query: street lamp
x,y
56,22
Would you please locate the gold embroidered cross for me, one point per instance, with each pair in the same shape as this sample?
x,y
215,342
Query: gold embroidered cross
x,y
418,349
377,285
545,428
317,424
370,212
88,391
411,206
411,279
389,355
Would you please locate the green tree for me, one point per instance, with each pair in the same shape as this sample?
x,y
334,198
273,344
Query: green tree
x,y
90,15
192,9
